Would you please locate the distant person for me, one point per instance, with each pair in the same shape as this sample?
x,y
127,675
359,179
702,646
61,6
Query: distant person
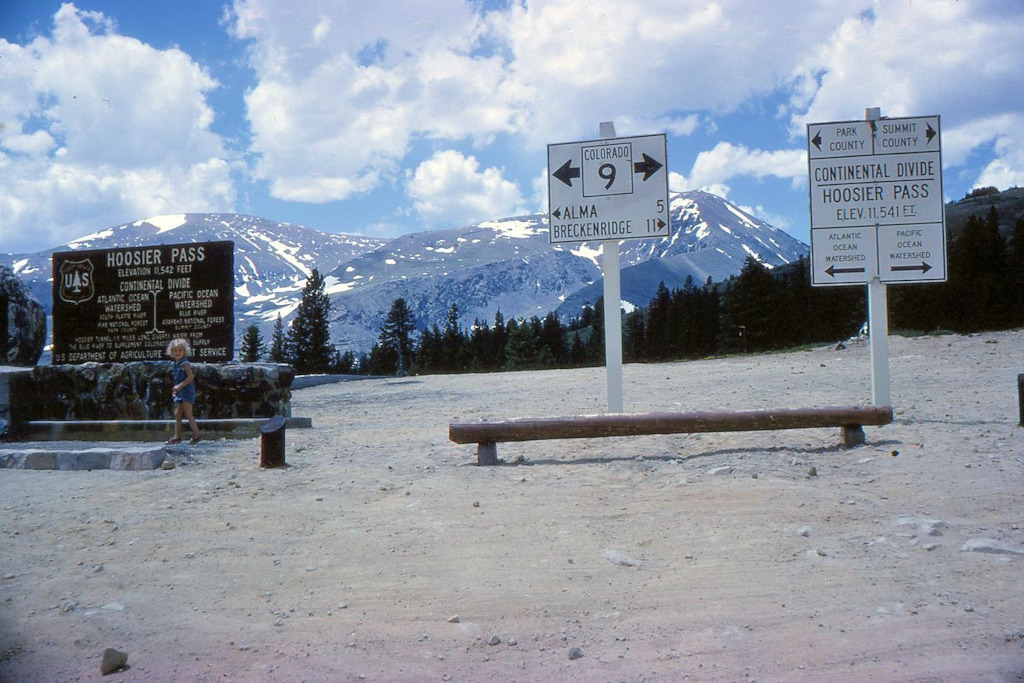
x,y
184,390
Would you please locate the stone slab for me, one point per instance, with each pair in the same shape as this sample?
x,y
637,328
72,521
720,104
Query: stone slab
x,y
101,458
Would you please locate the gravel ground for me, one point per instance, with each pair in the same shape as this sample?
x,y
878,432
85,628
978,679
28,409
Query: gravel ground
x,y
382,553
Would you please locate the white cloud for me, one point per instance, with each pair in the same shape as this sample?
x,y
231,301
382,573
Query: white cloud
x,y
713,168
331,118
335,117
941,57
449,187
960,60
539,187
347,91
649,64
999,173
99,129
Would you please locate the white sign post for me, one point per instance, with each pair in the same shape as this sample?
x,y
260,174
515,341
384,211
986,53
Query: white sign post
x,y
877,215
609,190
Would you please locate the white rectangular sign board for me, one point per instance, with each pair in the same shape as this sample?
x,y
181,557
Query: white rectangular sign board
x,y
611,189
876,201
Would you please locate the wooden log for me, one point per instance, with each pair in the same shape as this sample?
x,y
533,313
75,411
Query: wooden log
x,y
634,424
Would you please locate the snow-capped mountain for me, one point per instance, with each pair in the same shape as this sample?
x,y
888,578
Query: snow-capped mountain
x,y
710,238
507,265
510,265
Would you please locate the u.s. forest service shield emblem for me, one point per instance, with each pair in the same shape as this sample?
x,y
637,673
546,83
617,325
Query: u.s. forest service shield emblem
x,y
76,281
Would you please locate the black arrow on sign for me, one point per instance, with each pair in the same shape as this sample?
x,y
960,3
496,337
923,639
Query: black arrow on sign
x,y
816,140
557,213
566,173
648,166
832,270
924,268
930,133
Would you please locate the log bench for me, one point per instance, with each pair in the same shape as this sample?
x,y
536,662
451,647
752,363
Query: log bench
x,y
488,433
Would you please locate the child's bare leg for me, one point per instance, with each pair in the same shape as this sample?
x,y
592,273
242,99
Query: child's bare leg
x,y
191,419
178,412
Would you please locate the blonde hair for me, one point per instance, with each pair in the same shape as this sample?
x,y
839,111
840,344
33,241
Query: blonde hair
x,y
179,344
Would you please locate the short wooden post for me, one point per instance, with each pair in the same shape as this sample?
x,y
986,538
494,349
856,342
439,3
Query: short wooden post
x,y
486,454
1020,397
853,436
272,442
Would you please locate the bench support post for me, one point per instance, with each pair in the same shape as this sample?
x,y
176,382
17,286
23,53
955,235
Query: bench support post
x,y
486,454
1020,397
853,436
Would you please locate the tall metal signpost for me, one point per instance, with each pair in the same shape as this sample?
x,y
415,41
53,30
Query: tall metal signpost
x,y
877,215
608,190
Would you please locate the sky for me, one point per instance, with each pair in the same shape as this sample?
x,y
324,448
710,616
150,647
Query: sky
x,y
396,116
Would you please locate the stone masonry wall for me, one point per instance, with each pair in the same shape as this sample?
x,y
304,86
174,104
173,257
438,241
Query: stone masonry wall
x,y
142,391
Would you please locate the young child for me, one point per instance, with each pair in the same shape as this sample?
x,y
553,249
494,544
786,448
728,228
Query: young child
x,y
184,391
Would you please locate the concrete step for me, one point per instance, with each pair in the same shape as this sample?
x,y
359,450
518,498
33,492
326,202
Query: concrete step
x,y
146,430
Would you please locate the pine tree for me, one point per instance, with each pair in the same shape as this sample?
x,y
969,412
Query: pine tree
x,y
525,349
430,355
977,273
750,309
595,342
659,328
309,337
395,339
1015,269
278,345
477,344
687,304
552,336
634,331
451,341
344,363
499,338
710,315
253,347
578,351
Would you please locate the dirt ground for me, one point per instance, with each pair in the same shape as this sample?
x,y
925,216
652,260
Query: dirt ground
x,y
383,553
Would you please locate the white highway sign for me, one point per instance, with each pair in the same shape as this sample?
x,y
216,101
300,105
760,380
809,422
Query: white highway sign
x,y
611,189
876,185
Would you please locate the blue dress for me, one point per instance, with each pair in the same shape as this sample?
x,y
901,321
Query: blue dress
x,y
188,393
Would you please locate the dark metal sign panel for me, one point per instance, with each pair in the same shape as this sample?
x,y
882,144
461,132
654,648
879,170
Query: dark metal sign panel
x,y
123,305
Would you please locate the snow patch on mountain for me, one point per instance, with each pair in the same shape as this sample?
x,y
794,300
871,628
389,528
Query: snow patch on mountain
x,y
89,239
514,228
741,215
166,223
588,252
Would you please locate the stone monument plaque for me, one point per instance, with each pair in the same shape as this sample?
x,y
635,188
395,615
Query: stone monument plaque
x,y
123,305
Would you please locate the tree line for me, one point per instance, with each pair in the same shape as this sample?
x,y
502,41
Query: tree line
x,y
760,309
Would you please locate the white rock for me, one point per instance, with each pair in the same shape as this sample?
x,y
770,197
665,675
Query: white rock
x,y
990,545
619,558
